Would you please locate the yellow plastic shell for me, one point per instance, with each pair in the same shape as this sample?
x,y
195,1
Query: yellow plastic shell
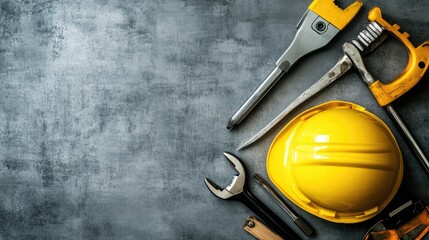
x,y
418,62
334,14
336,161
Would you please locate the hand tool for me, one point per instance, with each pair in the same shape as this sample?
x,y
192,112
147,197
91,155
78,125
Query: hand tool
x,y
259,230
237,190
317,27
387,93
409,221
274,195
366,42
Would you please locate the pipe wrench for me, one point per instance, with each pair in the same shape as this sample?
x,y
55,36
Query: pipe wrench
x,y
385,94
322,21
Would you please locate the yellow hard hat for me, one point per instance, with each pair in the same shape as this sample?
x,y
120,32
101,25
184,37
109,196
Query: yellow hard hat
x,y
337,161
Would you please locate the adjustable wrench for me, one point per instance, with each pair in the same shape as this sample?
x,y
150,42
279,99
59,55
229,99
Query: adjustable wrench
x,y
318,26
237,190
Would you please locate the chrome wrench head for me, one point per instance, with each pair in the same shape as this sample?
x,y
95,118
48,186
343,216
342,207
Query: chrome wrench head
x,y
237,184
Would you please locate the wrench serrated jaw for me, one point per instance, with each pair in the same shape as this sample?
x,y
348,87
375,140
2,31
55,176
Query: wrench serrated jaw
x,y
216,190
336,16
237,184
236,163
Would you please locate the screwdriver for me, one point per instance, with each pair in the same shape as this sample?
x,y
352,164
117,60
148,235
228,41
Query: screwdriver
x,y
274,195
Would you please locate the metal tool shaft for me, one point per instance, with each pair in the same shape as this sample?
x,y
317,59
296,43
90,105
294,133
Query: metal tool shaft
x,y
274,195
408,136
253,100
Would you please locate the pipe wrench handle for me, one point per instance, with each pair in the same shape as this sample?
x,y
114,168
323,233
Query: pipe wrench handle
x,y
418,62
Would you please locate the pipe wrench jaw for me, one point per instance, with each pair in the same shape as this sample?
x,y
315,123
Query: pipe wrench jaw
x,y
336,16
217,191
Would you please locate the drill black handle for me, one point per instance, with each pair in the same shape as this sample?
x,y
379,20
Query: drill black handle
x,y
267,216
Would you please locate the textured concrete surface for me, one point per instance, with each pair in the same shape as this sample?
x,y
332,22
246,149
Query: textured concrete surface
x,y
113,112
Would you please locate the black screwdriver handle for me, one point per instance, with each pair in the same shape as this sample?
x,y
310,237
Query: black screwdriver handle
x,y
267,216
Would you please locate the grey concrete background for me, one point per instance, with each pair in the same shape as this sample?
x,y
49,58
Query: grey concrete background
x,y
113,112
